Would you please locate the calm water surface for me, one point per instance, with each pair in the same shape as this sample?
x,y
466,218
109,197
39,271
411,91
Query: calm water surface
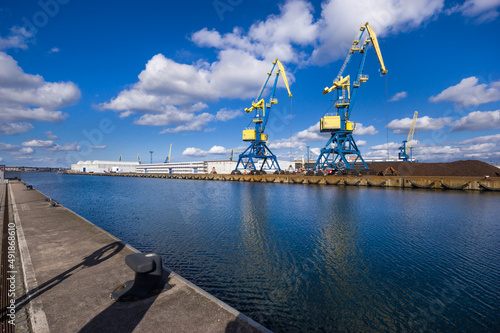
x,y
301,258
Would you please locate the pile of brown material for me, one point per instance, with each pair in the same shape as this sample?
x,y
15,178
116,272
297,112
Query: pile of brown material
x,y
469,168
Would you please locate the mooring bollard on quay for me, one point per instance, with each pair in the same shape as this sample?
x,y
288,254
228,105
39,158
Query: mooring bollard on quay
x,y
148,277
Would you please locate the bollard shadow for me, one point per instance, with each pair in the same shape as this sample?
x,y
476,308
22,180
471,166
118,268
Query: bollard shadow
x,y
97,257
123,317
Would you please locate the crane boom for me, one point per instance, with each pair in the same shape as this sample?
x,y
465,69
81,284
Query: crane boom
x,y
259,102
412,130
169,152
282,70
374,41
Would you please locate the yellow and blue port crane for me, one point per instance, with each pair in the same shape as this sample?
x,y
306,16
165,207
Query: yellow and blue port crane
x,y
405,151
341,143
167,160
258,149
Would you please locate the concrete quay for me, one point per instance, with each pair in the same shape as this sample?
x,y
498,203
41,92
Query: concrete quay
x,y
408,182
70,267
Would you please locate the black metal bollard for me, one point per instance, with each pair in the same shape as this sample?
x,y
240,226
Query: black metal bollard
x,y
148,276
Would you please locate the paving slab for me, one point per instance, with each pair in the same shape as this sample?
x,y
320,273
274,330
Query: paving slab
x,y
71,268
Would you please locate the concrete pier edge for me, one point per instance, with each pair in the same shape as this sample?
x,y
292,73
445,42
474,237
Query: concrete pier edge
x,y
37,316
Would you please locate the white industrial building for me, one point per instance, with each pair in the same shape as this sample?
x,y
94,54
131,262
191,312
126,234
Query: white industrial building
x,y
219,167
222,167
104,166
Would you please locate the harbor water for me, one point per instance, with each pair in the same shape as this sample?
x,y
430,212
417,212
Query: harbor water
x,y
310,258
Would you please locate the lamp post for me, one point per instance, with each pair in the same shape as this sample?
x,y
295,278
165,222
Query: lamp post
x,y
307,158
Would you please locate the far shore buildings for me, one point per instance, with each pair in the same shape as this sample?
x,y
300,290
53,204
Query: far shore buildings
x,y
220,167
224,167
104,166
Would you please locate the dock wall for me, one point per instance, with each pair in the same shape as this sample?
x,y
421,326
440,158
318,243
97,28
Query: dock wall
x,y
413,182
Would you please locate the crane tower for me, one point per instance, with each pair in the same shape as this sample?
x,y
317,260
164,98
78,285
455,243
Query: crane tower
x,y
405,151
258,149
341,143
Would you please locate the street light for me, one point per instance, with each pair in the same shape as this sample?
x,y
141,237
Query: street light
x,y
307,158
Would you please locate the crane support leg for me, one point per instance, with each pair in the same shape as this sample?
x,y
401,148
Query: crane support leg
x,y
257,150
402,152
343,144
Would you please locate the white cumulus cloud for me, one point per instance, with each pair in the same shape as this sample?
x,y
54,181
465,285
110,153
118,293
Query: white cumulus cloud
x,y
9,128
15,149
197,123
67,147
197,152
477,121
469,93
360,143
482,139
273,38
340,22
361,130
311,134
39,143
51,135
225,114
399,96
26,97
425,123
480,10
16,39
50,145
384,146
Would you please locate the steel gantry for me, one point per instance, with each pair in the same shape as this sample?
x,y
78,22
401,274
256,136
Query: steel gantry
x,y
258,149
341,143
405,151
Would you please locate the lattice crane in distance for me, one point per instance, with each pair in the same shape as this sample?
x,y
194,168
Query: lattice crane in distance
x,y
167,160
258,149
405,151
341,142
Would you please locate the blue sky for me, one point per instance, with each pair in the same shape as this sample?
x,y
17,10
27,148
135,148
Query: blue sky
x,y
87,80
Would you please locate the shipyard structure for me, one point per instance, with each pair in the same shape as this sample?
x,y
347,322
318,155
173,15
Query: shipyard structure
x,y
199,167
